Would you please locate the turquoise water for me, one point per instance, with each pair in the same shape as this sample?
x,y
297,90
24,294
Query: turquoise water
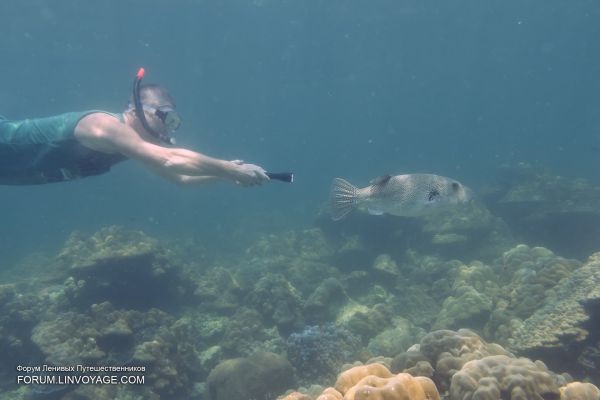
x,y
324,88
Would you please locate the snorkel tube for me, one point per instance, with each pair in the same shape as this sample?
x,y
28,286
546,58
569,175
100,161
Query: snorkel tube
x,y
139,109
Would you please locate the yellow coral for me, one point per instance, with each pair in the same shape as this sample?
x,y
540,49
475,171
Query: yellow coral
x,y
330,394
579,391
351,377
295,396
400,387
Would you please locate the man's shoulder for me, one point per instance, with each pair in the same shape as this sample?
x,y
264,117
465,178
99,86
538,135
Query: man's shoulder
x,y
101,116
95,129
98,122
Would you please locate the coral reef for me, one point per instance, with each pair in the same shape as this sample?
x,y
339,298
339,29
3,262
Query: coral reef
x,y
556,212
386,267
528,274
330,394
446,352
470,231
245,334
18,314
579,391
318,352
352,376
124,267
376,382
325,302
279,302
217,290
295,396
471,299
123,298
363,321
396,339
106,336
261,376
565,324
502,377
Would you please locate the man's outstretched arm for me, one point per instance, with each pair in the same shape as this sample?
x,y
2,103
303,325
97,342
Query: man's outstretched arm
x,y
174,162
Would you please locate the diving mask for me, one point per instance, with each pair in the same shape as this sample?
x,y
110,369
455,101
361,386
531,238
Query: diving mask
x,y
167,115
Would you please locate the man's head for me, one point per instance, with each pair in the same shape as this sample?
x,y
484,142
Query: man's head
x,y
154,107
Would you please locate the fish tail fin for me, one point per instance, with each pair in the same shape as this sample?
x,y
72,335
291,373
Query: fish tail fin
x,y
342,198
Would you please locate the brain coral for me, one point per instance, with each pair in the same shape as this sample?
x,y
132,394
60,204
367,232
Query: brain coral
x,y
471,299
352,376
400,387
330,394
579,391
295,396
376,382
449,351
506,378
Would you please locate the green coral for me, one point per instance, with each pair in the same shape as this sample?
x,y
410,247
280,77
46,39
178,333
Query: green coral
x,y
278,301
108,243
560,323
245,334
471,301
396,339
218,290
124,267
527,275
325,302
386,266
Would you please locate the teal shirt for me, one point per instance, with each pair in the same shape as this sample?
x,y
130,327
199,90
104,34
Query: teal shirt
x,y
43,150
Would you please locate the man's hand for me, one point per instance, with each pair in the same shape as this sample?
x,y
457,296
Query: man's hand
x,y
248,174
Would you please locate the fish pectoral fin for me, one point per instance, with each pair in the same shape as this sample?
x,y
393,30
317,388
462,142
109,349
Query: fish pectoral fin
x,y
373,211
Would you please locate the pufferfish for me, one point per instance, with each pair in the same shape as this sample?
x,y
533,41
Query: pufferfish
x,y
411,195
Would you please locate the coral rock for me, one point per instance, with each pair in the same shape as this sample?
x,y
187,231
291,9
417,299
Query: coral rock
x,y
449,351
295,396
330,394
562,324
351,377
579,391
400,387
386,266
259,377
502,377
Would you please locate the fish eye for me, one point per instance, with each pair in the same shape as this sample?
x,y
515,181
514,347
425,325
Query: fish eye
x,y
455,186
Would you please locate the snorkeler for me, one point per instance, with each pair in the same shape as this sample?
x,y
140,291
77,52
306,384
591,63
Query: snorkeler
x,y
80,144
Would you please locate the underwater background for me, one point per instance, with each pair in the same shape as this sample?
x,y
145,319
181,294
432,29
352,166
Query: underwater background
x,y
502,96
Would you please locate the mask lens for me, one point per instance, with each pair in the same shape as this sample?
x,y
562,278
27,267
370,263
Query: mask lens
x,y
170,118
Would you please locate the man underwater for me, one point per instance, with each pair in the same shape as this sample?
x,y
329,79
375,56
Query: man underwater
x,y
80,144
